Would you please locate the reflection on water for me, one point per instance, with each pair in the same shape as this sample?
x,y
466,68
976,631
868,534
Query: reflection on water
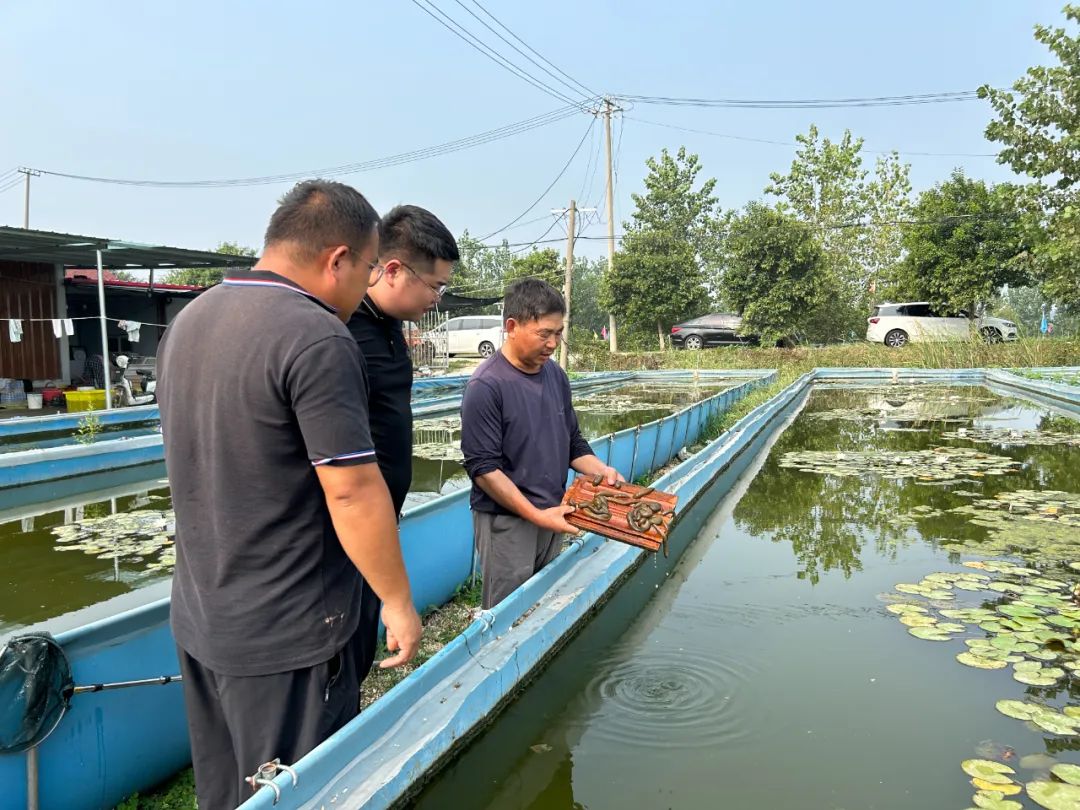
x,y
41,576
764,672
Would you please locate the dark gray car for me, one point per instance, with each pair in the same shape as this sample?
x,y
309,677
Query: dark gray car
x,y
717,329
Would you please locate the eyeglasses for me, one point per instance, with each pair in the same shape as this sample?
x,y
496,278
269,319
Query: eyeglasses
x,y
375,268
547,334
438,289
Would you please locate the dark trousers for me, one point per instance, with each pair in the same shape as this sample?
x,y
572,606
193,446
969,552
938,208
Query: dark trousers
x,y
236,723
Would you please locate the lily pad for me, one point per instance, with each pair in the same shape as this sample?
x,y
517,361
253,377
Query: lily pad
x,y
988,770
1004,790
929,633
1016,709
905,607
972,660
1067,772
1055,795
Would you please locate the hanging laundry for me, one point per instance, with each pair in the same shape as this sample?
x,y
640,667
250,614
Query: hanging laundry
x,y
69,327
15,330
132,328
57,327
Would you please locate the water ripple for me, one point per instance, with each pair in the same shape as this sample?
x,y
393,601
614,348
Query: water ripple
x,y
674,700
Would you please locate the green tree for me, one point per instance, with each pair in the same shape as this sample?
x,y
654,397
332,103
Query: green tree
x,y
1038,125
482,270
586,312
669,250
888,203
545,264
853,215
968,240
775,273
209,276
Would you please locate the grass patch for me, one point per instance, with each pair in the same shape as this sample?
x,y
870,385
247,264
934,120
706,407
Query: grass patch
x,y
1023,353
176,794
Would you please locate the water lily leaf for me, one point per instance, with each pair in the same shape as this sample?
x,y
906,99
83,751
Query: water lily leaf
x,y
1072,711
971,660
1016,709
905,607
929,633
1054,795
1054,723
1067,772
949,627
906,587
987,770
1028,666
917,620
1034,679
995,800
993,787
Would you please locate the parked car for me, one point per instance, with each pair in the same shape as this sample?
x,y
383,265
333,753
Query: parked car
x,y
898,324
476,334
717,329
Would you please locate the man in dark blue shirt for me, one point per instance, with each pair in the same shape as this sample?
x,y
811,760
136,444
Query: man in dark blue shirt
x,y
519,434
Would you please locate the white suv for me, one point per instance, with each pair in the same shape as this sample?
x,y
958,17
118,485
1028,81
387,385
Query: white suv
x,y
476,334
897,324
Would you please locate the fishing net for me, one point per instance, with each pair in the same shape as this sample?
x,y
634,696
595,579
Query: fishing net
x,y
35,687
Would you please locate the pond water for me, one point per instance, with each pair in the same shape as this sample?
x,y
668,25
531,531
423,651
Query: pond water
x,y
63,556
762,668
70,552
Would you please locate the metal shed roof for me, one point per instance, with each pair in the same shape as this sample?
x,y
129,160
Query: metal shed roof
x,y
21,245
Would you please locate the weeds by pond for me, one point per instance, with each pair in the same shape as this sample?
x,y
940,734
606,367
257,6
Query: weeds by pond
x,y
1021,354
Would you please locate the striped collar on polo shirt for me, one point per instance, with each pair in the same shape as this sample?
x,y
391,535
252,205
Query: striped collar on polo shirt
x,y
265,278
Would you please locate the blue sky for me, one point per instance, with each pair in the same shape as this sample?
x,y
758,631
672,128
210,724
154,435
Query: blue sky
x,y
207,90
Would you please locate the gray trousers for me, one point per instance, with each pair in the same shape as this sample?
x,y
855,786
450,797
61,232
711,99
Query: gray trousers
x,y
511,550
236,723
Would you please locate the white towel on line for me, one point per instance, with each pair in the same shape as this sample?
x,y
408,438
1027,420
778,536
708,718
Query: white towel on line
x,y
15,330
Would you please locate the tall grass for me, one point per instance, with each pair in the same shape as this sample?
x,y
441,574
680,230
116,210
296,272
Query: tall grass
x,y
1025,353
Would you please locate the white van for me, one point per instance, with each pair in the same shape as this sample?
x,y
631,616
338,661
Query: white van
x,y
472,334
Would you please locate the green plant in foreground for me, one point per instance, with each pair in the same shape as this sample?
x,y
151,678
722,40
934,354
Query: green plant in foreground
x,y
89,428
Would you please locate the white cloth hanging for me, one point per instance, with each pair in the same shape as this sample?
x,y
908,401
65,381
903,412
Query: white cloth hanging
x,y
57,327
132,328
69,327
15,331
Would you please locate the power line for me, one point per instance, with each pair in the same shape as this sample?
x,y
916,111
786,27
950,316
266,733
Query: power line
x,y
589,92
480,19
795,143
10,184
558,177
474,42
348,168
809,103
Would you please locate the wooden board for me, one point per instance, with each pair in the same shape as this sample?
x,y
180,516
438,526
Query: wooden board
x,y
640,516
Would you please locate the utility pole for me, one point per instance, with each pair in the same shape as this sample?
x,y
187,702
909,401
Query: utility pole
x,y
613,342
568,284
26,200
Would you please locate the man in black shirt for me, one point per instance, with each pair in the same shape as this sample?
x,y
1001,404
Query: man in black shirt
x,y
279,508
417,253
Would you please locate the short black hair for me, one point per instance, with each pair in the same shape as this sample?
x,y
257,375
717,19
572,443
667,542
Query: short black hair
x,y
317,214
529,299
417,232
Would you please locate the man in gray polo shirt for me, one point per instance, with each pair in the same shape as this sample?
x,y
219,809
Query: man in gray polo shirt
x,y
279,506
519,434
